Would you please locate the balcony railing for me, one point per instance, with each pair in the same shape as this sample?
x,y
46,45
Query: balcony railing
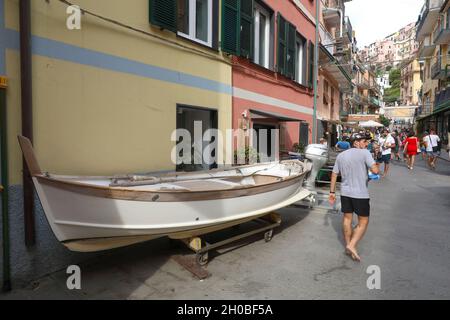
x,y
438,71
425,110
327,40
363,83
442,33
356,98
374,102
442,100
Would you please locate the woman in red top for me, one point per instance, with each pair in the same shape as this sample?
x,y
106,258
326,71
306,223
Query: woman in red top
x,y
410,150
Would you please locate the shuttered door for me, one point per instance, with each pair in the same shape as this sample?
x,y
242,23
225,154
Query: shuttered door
x,y
230,26
163,13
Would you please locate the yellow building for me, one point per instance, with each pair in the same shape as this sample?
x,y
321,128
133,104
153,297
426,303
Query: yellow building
x,y
110,84
107,98
410,83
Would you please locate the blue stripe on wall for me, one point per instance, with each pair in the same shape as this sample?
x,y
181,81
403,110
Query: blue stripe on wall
x,y
62,51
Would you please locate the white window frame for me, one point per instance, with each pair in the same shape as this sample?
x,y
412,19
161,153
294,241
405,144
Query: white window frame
x,y
299,44
193,19
258,11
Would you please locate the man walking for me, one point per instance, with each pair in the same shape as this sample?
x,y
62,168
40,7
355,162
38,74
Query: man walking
x,y
386,143
432,142
352,165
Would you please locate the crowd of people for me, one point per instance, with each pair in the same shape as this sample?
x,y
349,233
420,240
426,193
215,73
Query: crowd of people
x,y
360,156
403,145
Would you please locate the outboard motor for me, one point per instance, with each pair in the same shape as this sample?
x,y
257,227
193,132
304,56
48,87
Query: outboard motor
x,y
318,155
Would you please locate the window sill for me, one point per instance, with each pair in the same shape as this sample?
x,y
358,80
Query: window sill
x,y
197,42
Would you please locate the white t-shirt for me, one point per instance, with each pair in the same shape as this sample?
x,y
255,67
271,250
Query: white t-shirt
x,y
386,141
434,141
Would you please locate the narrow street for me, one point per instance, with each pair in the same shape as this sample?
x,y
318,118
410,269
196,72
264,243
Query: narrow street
x,y
408,238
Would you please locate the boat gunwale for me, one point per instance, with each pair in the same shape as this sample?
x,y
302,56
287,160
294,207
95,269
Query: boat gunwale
x,y
167,195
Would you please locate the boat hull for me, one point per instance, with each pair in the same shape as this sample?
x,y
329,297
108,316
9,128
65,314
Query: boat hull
x,y
75,216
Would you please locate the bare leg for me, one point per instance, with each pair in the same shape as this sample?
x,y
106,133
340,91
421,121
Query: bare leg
x,y
386,170
413,158
434,162
347,227
358,233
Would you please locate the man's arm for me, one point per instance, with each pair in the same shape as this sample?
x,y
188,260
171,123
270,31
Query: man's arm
x,y
332,197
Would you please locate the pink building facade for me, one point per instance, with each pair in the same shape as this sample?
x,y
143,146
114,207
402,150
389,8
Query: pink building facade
x,y
273,85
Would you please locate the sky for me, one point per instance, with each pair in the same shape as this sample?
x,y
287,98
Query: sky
x,y
376,19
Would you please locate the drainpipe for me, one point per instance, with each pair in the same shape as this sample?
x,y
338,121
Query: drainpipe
x,y
316,74
4,189
27,115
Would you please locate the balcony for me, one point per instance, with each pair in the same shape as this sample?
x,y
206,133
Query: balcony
x,y
330,13
329,63
374,102
425,110
440,72
442,33
442,100
426,48
347,33
327,40
364,100
356,98
363,83
428,17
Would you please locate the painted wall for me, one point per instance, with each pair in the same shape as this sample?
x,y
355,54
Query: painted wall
x,y
104,102
324,110
258,88
105,98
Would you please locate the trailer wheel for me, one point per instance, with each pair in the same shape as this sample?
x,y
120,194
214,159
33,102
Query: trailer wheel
x,y
268,235
202,258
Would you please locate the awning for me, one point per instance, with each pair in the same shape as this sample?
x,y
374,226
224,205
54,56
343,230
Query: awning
x,y
258,114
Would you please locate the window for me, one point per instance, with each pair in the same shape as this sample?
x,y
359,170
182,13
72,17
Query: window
x,y
301,73
195,20
263,36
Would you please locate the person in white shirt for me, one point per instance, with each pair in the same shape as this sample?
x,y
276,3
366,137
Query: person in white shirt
x,y
432,142
386,142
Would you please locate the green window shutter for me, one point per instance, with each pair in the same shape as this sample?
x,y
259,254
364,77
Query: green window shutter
x,y
246,28
163,13
311,64
290,52
231,26
281,51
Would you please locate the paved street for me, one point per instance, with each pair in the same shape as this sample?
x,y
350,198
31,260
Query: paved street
x,y
408,238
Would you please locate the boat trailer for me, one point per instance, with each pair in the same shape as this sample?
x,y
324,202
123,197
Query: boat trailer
x,y
201,247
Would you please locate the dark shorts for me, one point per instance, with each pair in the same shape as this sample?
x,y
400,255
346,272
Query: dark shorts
x,y
359,206
384,159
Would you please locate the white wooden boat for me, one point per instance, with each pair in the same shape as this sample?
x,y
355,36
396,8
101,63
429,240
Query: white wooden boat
x,y
97,213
